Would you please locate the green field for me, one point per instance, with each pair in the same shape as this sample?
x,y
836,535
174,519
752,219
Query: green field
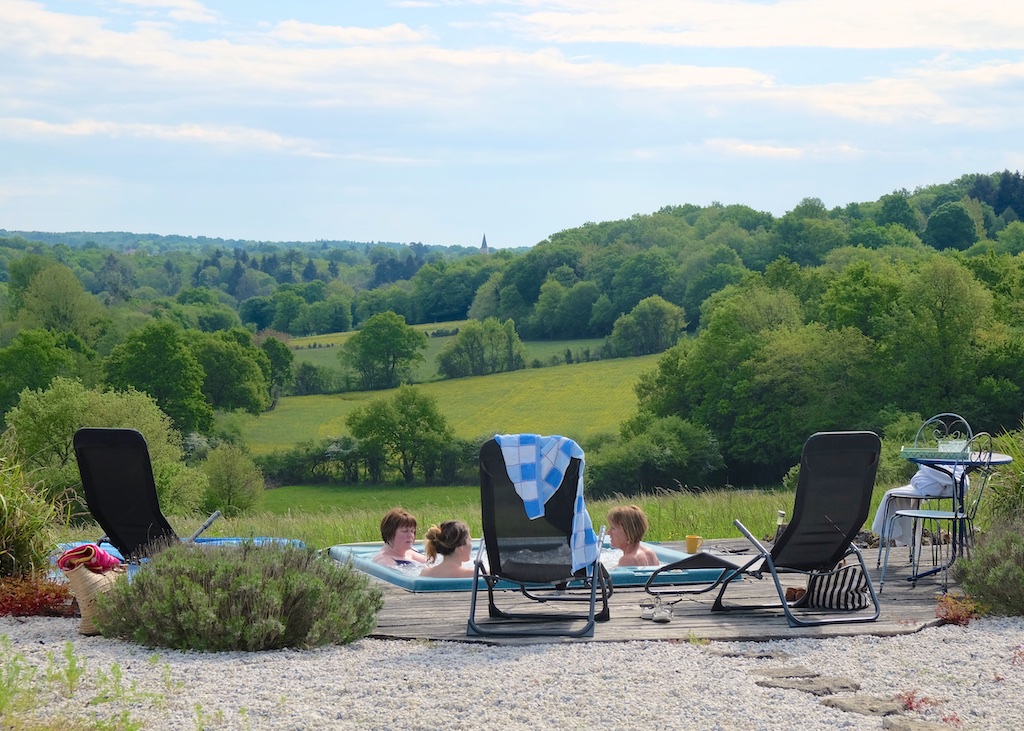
x,y
326,355
579,401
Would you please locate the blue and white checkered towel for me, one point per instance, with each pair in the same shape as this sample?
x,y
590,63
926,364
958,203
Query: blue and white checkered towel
x,y
536,466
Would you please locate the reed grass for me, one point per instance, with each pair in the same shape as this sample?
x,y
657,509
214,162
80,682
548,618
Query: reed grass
x,y
324,516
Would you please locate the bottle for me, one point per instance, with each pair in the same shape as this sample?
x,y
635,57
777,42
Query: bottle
x,y
780,522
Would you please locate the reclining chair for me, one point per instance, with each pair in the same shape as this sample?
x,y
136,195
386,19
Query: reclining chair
x,y
120,490
550,557
833,496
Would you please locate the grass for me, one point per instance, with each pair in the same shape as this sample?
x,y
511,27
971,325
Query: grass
x,y
323,516
581,401
326,355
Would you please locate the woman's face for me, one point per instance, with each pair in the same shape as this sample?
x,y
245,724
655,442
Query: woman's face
x,y
617,536
405,536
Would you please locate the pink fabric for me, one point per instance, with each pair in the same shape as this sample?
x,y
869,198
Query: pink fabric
x,y
89,555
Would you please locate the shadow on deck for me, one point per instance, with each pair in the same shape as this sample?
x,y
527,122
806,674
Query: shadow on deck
x,y
904,609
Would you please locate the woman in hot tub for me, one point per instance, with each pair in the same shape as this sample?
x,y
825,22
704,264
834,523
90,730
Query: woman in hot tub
x,y
627,525
452,543
398,529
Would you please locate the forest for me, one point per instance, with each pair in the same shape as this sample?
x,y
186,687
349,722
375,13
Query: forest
x,y
861,316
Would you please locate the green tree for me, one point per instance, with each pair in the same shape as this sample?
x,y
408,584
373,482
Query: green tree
x,y
575,310
642,275
1011,239
235,374
158,360
406,428
331,315
935,334
55,300
235,482
482,348
654,453
383,352
32,360
281,360
653,326
544,322
951,227
861,296
45,421
288,307
20,272
699,378
897,208
799,381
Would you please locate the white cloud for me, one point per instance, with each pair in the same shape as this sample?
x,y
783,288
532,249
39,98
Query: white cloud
x,y
742,148
869,24
223,136
298,32
188,11
779,151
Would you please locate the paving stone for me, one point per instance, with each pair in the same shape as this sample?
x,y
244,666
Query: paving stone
x,y
797,671
752,654
822,685
894,723
864,704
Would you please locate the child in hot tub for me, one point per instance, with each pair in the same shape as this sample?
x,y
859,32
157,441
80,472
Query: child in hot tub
x,y
627,525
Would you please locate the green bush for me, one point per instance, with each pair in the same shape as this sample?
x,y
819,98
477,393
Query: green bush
x,y
1005,500
244,597
26,518
994,573
235,482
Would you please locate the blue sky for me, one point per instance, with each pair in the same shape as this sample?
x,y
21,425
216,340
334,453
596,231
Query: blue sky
x,y
441,120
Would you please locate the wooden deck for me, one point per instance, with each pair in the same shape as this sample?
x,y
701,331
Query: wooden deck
x,y
443,615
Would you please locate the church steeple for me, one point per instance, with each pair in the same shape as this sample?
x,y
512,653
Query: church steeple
x,y
483,246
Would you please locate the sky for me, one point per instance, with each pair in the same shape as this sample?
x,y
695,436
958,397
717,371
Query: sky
x,y
439,121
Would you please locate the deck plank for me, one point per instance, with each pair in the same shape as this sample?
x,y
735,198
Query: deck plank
x,y
443,615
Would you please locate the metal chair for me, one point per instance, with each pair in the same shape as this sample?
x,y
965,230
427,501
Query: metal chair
x,y
833,496
945,431
976,458
530,543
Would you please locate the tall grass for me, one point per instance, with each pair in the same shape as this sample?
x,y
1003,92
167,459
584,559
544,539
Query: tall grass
x,y
672,515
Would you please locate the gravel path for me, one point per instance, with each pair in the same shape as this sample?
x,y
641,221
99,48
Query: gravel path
x,y
962,677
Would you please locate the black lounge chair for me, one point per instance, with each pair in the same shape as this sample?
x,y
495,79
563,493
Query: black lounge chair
x,y
833,496
533,556
120,490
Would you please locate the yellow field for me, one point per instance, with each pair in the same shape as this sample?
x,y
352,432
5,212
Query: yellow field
x,y
577,401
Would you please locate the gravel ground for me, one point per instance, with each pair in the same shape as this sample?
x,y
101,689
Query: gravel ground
x,y
962,677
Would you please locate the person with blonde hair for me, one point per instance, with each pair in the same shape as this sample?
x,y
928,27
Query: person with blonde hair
x,y
398,530
452,543
627,525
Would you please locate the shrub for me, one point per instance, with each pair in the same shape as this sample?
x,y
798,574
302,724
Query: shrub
x,y
35,596
26,518
1006,487
244,597
994,573
959,609
653,452
235,482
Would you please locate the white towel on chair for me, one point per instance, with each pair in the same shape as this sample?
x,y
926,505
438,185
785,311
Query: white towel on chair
x,y
926,483
536,465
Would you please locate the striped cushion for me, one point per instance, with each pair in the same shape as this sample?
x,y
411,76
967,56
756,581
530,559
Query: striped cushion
x,y
844,588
